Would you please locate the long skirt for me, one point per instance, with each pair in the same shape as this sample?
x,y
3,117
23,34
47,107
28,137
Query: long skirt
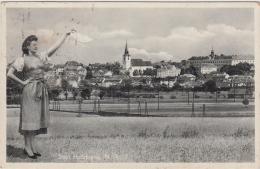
x,y
34,116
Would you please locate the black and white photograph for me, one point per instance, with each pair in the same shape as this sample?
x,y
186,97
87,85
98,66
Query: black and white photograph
x,y
109,82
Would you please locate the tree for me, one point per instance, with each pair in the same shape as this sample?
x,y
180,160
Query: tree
x,y
157,66
239,69
116,68
64,84
245,102
177,85
164,87
126,85
54,93
191,70
66,94
113,90
150,72
127,73
147,88
75,93
225,68
210,86
231,70
245,67
85,93
101,94
89,74
136,73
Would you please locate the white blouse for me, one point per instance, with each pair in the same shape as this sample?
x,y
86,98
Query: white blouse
x,y
18,63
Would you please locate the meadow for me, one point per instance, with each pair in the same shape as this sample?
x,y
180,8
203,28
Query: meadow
x,y
93,138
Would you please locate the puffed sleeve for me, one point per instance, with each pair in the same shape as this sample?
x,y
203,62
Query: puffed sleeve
x,y
44,57
18,64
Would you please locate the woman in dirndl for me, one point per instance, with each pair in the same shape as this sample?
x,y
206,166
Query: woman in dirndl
x,y
34,116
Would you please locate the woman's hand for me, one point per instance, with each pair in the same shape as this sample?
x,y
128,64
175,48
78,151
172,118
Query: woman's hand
x,y
70,32
26,81
11,75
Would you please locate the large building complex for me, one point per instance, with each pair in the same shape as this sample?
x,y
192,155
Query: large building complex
x,y
220,60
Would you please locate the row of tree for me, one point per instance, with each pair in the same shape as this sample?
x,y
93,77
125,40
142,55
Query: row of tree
x,y
238,69
146,72
113,67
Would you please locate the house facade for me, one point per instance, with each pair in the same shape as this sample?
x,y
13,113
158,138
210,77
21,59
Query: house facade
x,y
207,68
168,71
186,80
243,59
107,82
241,80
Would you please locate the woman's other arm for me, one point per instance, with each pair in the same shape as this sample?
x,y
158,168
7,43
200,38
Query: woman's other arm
x,y
14,77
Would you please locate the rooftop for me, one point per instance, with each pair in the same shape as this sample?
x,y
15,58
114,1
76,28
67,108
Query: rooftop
x,y
73,63
168,67
140,62
244,57
211,65
199,58
217,57
188,75
112,80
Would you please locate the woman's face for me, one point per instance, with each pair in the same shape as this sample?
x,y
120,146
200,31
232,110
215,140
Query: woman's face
x,y
33,47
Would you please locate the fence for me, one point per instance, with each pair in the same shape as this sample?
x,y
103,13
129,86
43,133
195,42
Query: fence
x,y
142,107
179,103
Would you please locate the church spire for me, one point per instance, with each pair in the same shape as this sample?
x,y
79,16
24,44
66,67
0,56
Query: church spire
x,y
126,58
126,49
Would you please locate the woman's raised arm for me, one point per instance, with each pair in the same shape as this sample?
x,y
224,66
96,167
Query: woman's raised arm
x,y
57,45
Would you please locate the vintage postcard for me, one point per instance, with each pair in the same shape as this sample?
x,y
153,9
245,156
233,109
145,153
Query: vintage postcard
x,y
129,84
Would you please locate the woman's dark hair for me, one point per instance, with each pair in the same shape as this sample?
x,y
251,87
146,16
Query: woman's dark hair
x,y
27,42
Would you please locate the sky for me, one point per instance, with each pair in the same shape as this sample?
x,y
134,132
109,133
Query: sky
x,y
152,34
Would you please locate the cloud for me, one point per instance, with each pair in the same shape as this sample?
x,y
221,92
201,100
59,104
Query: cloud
x,y
115,34
81,37
229,39
193,34
180,43
189,34
154,30
184,42
107,46
227,29
154,56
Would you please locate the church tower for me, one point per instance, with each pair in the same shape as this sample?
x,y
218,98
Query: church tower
x,y
212,54
126,58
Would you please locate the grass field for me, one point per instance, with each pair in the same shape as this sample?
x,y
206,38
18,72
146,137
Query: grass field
x,y
93,138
